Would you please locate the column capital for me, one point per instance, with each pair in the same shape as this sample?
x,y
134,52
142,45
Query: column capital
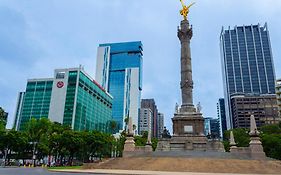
x,y
185,31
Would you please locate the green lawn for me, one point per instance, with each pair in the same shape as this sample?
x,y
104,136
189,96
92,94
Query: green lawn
x,y
64,167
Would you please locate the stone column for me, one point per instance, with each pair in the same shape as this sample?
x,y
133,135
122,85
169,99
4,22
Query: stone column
x,y
185,35
232,143
129,146
256,148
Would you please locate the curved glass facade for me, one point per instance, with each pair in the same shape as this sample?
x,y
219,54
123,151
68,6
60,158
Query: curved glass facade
x,y
122,78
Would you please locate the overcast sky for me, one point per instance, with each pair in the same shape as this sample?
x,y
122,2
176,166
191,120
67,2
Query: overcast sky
x,y
38,36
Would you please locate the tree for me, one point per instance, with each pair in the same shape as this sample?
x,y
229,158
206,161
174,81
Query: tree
x,y
271,129
22,146
113,126
271,140
142,140
134,127
241,136
38,131
3,142
126,120
272,145
10,142
44,138
120,144
72,142
56,147
3,119
154,142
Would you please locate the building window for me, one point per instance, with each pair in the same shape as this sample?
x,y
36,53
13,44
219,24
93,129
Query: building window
x,y
60,75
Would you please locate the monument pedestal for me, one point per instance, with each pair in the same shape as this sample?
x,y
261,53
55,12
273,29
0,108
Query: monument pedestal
x,y
188,130
188,124
148,148
182,143
129,146
256,148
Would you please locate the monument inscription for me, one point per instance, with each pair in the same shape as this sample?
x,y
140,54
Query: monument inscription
x,y
188,129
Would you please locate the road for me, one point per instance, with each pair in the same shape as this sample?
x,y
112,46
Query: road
x,y
33,171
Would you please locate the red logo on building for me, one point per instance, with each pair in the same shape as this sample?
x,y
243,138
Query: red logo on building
x,y
60,84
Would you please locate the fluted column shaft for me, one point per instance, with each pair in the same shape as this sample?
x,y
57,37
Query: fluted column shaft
x,y
185,35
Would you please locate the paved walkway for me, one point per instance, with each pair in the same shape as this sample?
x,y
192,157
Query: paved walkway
x,y
110,171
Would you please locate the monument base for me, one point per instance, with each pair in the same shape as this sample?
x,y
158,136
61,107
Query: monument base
x,y
188,122
129,146
148,148
188,133
188,143
256,148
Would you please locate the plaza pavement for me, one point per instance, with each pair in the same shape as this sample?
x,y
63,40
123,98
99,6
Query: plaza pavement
x,y
137,172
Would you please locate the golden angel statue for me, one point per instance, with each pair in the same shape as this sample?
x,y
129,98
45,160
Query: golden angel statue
x,y
185,9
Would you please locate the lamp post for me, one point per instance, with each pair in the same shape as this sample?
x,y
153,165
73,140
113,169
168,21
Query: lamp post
x,y
33,151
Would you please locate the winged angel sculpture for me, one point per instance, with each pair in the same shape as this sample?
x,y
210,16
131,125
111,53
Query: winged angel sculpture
x,y
185,9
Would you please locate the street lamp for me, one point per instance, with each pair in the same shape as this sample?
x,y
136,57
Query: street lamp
x,y
33,152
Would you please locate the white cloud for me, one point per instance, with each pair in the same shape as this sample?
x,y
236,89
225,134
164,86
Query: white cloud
x,y
66,33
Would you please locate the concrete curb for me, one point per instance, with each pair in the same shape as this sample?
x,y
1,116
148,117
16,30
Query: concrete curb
x,y
137,172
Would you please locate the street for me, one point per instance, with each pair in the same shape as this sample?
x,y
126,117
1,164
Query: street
x,y
33,171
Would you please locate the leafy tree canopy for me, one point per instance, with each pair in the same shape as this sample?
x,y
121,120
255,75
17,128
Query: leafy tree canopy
x,y
270,137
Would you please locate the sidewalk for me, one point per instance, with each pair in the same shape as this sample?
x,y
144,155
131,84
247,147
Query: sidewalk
x,y
137,172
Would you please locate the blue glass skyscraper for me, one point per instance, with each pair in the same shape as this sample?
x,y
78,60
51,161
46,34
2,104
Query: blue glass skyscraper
x,y
119,71
247,63
221,116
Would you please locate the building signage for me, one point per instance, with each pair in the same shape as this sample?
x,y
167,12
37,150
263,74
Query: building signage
x,y
60,84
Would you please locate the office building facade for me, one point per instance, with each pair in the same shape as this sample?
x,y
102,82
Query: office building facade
x,y
150,103
263,107
212,128
119,71
207,126
34,102
72,98
278,95
247,63
145,120
160,124
18,110
221,116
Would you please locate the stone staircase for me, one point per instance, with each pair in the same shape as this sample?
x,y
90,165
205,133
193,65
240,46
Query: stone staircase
x,y
196,154
191,161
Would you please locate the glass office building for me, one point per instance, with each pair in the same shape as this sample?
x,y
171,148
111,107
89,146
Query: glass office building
x,y
160,124
221,116
247,63
72,98
18,109
34,102
211,128
119,71
151,104
278,95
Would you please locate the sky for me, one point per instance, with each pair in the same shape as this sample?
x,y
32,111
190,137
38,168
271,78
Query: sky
x,y
38,36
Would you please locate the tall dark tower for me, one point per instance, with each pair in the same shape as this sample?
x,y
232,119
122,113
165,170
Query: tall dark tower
x,y
247,67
